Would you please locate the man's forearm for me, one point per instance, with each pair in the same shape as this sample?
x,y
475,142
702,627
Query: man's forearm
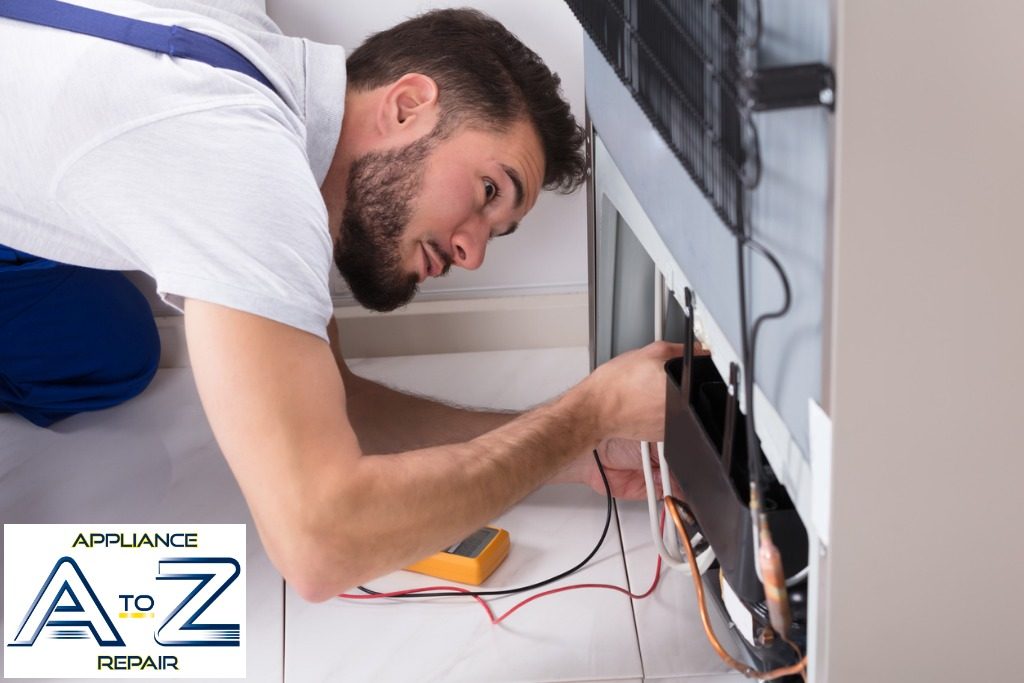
x,y
394,509
391,421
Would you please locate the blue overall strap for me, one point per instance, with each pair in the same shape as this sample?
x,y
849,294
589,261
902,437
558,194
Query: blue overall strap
x,y
171,40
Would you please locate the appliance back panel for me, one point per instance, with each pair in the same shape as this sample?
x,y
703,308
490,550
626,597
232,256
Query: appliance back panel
x,y
789,208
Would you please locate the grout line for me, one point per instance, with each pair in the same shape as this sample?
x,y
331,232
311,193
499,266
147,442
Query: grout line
x,y
629,585
284,630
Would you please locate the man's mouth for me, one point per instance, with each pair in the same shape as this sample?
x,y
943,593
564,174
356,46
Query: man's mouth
x,y
435,265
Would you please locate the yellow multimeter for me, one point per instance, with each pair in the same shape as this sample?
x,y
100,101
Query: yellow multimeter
x,y
470,561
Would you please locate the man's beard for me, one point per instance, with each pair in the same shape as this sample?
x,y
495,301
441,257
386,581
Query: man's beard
x,y
381,186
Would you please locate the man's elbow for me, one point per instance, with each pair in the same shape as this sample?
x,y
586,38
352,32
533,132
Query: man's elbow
x,y
319,555
317,574
314,589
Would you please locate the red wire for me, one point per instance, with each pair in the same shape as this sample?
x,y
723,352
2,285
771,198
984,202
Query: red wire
x,y
411,591
487,607
654,584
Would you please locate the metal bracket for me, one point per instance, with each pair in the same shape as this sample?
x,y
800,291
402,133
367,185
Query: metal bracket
x,y
785,87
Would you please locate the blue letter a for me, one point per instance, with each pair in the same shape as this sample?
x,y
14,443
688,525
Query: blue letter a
x,y
70,600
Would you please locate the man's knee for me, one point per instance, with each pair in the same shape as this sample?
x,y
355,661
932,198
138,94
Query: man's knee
x,y
87,341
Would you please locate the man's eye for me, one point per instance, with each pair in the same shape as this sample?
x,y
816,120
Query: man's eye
x,y
490,190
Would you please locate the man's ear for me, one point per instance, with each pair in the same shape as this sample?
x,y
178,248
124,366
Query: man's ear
x,y
409,107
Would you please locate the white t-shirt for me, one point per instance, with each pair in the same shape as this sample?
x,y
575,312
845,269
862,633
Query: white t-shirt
x,y
120,158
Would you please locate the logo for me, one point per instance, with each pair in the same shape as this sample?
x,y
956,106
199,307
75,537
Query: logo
x,y
142,601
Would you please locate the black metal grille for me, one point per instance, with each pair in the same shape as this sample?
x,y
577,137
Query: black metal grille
x,y
682,61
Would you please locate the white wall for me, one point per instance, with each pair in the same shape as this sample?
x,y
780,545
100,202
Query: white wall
x,y
548,252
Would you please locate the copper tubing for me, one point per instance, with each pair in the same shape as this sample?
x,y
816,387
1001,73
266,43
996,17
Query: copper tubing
x,y
773,579
671,503
796,649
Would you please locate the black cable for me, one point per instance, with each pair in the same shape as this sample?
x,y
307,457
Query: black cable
x,y
749,341
753,460
545,582
759,248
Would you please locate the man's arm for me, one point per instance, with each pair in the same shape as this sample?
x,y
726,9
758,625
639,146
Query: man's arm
x,y
330,518
373,408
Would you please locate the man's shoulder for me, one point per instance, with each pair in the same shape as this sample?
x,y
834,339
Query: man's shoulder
x,y
241,14
219,144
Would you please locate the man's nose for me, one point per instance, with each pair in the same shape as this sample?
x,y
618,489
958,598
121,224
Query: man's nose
x,y
468,246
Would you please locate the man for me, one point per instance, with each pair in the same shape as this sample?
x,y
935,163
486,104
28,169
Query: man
x,y
233,190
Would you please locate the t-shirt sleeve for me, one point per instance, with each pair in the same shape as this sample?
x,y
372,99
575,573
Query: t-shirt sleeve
x,y
218,205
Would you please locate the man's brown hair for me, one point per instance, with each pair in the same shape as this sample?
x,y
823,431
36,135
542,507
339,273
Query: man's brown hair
x,y
486,78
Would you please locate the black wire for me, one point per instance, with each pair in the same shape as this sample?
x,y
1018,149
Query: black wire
x,y
753,460
749,341
759,248
545,582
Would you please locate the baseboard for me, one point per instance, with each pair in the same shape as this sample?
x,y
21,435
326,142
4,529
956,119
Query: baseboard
x,y
491,324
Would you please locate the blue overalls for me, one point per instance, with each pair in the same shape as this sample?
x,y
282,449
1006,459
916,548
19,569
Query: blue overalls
x,y
75,339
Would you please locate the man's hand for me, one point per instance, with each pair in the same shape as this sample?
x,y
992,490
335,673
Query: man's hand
x,y
629,392
623,465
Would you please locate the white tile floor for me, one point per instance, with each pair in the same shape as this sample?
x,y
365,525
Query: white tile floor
x,y
154,460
